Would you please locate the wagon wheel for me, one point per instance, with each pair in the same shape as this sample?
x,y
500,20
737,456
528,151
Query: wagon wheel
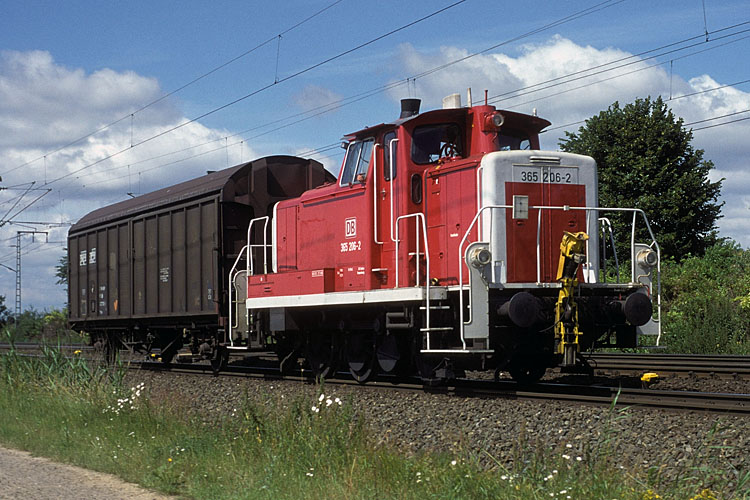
x,y
361,357
108,345
168,353
321,354
220,359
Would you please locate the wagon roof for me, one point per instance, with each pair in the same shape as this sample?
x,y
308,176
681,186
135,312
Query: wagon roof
x,y
213,182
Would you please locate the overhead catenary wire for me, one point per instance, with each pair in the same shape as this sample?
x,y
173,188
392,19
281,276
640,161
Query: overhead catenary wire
x,y
179,89
264,88
326,108
383,88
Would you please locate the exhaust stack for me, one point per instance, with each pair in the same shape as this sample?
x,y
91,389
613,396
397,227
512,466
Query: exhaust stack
x,y
409,107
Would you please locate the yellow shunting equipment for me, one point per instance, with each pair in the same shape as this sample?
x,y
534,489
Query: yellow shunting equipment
x,y
572,254
649,378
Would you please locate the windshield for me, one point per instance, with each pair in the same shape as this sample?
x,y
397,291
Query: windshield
x,y
357,162
508,140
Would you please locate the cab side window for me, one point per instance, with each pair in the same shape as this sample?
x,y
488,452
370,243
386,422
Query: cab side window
x,y
389,151
357,162
429,143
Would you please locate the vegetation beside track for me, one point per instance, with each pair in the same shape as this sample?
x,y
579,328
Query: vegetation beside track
x,y
706,302
77,413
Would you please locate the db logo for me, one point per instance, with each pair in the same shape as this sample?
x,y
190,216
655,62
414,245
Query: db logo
x,y
350,227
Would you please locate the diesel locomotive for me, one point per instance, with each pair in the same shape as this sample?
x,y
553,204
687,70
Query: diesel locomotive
x,y
448,242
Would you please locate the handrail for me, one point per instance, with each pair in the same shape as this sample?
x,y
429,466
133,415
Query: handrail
x,y
375,192
418,217
264,245
232,273
566,208
390,182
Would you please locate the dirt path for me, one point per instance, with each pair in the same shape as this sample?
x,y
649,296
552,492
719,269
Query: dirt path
x,y
23,476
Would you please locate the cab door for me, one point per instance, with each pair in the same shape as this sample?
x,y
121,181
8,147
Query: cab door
x,y
386,201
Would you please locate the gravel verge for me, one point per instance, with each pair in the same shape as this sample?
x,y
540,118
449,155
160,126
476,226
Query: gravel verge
x,y
496,431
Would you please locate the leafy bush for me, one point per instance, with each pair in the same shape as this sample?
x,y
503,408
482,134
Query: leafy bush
x,y
706,302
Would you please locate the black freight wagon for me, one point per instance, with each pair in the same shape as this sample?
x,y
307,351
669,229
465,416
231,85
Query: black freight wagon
x,y
153,270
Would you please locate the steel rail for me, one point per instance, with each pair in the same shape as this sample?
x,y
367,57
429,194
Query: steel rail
x,y
674,364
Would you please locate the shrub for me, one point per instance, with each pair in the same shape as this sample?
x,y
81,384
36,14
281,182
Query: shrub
x,y
706,302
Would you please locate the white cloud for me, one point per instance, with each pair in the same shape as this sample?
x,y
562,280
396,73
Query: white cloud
x,y
313,97
503,74
43,107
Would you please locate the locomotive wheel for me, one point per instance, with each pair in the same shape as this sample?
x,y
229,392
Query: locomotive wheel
x,y
526,370
287,354
321,354
390,353
360,355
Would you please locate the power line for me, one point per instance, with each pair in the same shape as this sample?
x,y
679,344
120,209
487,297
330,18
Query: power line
x,y
264,88
337,104
581,77
171,93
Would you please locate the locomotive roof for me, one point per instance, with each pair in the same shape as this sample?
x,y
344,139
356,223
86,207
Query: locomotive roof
x,y
512,120
215,182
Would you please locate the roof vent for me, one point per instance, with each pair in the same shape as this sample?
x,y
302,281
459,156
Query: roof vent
x,y
545,159
452,101
409,107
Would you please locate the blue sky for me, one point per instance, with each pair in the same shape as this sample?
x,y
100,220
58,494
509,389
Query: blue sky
x,y
68,68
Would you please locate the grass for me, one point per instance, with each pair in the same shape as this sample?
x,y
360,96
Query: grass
x,y
81,414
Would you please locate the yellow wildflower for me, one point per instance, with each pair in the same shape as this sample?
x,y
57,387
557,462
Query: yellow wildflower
x,y
706,494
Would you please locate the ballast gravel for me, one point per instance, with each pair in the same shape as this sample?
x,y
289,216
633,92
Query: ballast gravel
x,y
499,431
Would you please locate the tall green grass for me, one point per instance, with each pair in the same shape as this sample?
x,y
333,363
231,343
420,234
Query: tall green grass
x,y
76,412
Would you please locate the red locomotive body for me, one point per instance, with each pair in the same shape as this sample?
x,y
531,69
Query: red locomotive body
x,y
448,242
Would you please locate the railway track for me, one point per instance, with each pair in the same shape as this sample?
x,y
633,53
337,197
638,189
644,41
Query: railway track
x,y
573,393
686,365
672,364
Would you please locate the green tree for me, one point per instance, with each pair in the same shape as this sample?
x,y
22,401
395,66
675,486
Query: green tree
x,y
4,312
61,269
645,160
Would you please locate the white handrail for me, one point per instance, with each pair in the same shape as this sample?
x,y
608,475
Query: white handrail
x,y
232,273
418,217
390,182
375,193
264,245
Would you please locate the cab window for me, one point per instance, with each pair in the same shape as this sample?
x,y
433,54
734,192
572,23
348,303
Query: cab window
x,y
509,140
389,150
357,162
429,143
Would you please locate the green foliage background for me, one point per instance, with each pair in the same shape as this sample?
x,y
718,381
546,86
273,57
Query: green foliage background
x,y
706,302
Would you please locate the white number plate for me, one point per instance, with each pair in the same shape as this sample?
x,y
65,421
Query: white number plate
x,y
546,175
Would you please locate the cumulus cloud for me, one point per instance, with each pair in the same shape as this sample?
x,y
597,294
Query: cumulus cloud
x,y
536,77
44,106
314,96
